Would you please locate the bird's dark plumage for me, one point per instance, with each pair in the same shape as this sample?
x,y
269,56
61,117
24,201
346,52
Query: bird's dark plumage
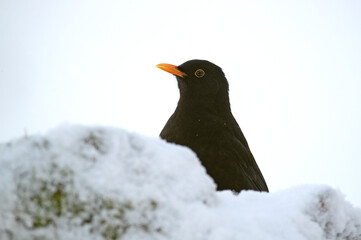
x,y
203,121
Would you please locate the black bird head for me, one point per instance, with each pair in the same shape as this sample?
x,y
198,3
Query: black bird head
x,y
200,81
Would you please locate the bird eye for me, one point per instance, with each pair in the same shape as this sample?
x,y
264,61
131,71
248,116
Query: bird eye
x,y
199,73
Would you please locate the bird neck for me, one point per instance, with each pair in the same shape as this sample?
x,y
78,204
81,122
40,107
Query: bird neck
x,y
217,104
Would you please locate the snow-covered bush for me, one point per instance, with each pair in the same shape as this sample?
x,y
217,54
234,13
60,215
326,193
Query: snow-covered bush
x,y
102,183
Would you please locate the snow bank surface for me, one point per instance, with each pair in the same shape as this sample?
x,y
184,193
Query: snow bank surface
x,y
103,183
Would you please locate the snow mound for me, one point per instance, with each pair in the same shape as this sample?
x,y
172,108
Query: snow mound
x,y
101,183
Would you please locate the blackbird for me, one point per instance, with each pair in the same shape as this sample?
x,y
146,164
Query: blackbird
x,y
203,121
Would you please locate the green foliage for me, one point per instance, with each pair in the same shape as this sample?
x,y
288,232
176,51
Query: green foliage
x,y
42,202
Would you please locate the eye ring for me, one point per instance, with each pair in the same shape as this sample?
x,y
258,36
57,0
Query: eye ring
x,y
199,73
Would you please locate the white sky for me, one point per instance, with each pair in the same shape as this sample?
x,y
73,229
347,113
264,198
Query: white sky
x,y
293,68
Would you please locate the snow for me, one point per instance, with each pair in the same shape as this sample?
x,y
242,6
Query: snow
x,y
79,182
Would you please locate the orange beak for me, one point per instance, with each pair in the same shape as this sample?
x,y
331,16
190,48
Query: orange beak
x,y
171,69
